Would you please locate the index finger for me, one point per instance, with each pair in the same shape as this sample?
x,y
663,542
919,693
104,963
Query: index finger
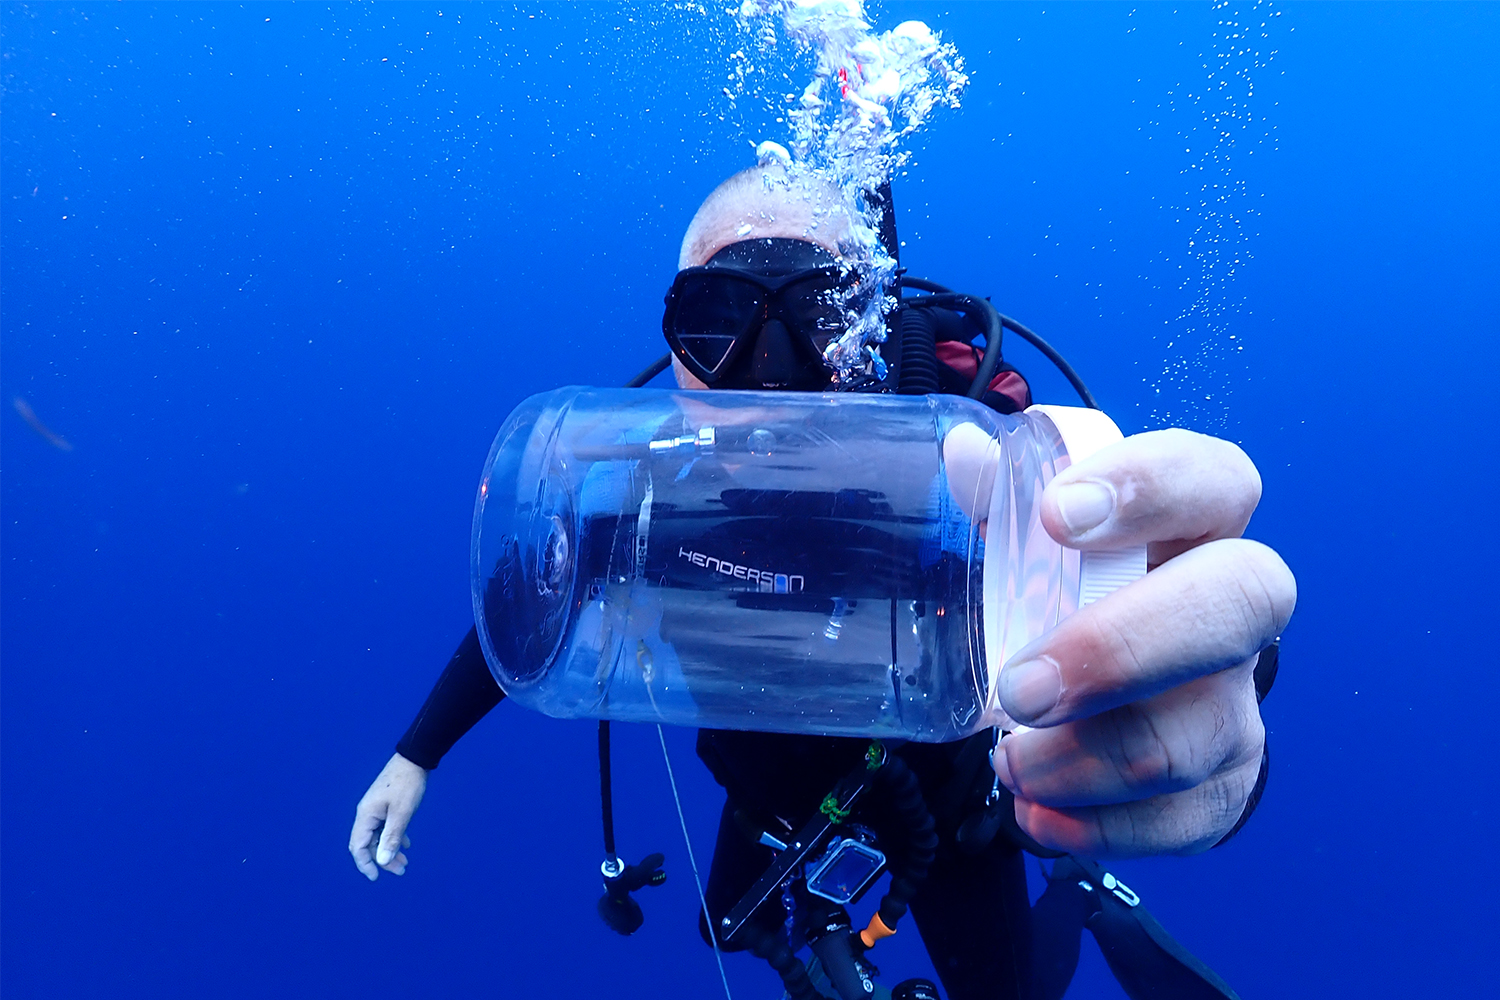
x,y
361,838
1207,610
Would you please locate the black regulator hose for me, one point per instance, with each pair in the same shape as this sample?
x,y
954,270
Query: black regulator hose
x,y
650,372
772,946
994,329
1050,353
830,940
941,295
919,375
921,848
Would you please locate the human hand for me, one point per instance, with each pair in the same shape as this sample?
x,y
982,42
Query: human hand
x,y
1147,737
380,818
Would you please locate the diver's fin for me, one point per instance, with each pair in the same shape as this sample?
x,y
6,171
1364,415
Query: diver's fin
x,y
1149,963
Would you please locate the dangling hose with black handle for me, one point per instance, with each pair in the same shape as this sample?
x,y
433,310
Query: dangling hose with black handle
x,y
617,907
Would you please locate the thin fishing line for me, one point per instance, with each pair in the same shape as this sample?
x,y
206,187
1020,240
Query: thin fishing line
x,y
707,918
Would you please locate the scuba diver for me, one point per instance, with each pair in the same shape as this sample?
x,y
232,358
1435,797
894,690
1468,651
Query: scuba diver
x,y
1145,732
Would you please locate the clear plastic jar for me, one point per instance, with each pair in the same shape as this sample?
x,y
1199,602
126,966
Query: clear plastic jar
x,y
838,564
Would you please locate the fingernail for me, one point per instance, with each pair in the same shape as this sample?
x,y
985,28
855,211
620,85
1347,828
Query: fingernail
x,y
384,856
1001,760
1030,690
1084,506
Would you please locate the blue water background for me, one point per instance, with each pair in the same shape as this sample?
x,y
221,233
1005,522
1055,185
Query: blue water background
x,y
278,272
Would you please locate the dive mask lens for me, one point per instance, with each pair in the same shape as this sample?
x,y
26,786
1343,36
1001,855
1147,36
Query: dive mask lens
x,y
815,305
710,312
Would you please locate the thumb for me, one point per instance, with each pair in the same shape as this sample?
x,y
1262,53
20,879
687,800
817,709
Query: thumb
x,y
393,837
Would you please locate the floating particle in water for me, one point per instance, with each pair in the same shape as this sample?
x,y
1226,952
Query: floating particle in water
x,y
46,433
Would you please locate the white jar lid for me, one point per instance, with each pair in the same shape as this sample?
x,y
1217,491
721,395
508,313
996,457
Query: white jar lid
x,y
1085,431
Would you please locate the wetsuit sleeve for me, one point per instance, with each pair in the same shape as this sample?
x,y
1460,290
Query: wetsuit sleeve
x,y
462,696
1265,676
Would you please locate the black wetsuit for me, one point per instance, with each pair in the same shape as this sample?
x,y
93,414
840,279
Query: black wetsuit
x,y
985,940
972,912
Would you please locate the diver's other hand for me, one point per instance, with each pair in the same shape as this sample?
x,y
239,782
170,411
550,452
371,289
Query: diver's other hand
x,y
380,819
1148,737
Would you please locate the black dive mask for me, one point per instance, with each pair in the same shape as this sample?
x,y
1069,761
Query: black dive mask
x,y
758,315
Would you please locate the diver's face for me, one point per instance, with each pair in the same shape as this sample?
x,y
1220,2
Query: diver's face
x,y
776,341
762,214
759,315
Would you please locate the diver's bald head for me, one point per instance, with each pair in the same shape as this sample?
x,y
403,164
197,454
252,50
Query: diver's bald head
x,y
762,202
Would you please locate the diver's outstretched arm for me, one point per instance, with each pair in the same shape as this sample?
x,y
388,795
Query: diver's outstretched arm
x,y
463,694
381,817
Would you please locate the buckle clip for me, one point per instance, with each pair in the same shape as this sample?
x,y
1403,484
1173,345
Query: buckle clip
x,y
1122,891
